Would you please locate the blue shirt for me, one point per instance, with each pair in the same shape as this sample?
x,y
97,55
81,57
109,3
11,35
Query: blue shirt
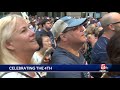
x,y
99,53
63,57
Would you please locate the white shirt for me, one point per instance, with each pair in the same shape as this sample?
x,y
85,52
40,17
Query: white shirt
x,y
37,58
17,75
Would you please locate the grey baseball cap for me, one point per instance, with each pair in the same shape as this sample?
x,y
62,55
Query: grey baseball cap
x,y
65,22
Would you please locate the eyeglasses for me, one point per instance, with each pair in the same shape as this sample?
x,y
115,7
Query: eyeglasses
x,y
114,23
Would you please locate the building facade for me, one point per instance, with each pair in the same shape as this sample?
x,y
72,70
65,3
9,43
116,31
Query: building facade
x,y
61,14
73,14
50,14
86,14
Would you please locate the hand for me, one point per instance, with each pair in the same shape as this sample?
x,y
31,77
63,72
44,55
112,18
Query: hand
x,y
47,59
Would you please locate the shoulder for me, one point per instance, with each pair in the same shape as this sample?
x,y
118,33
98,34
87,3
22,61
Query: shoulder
x,y
61,57
12,75
36,54
103,41
37,58
100,45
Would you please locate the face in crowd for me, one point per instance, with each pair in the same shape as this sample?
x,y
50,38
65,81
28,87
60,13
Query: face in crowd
x,y
46,42
23,39
16,38
76,35
48,25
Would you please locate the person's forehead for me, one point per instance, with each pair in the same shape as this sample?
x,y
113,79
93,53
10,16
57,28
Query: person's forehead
x,y
48,22
20,20
21,23
44,37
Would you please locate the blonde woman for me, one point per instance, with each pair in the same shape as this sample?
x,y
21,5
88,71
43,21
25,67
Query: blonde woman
x,y
17,45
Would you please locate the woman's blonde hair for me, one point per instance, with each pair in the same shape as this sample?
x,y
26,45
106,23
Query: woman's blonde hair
x,y
7,29
90,29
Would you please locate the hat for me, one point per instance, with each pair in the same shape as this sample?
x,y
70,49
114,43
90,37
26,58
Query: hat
x,y
65,22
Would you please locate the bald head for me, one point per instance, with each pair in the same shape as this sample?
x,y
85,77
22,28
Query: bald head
x,y
110,18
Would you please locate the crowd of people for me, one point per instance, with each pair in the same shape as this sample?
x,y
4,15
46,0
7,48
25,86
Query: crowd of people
x,y
61,41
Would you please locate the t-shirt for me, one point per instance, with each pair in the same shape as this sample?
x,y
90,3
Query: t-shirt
x,y
63,57
99,53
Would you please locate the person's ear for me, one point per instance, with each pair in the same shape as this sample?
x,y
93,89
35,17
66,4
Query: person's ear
x,y
9,45
111,27
62,36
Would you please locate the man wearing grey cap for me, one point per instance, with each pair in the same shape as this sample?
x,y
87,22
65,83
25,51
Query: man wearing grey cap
x,y
69,34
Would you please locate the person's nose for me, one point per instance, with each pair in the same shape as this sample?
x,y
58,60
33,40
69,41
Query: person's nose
x,y
32,33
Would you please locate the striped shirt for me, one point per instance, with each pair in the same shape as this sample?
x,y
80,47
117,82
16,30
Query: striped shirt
x,y
99,53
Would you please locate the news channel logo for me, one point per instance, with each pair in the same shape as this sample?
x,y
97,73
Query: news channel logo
x,y
103,68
